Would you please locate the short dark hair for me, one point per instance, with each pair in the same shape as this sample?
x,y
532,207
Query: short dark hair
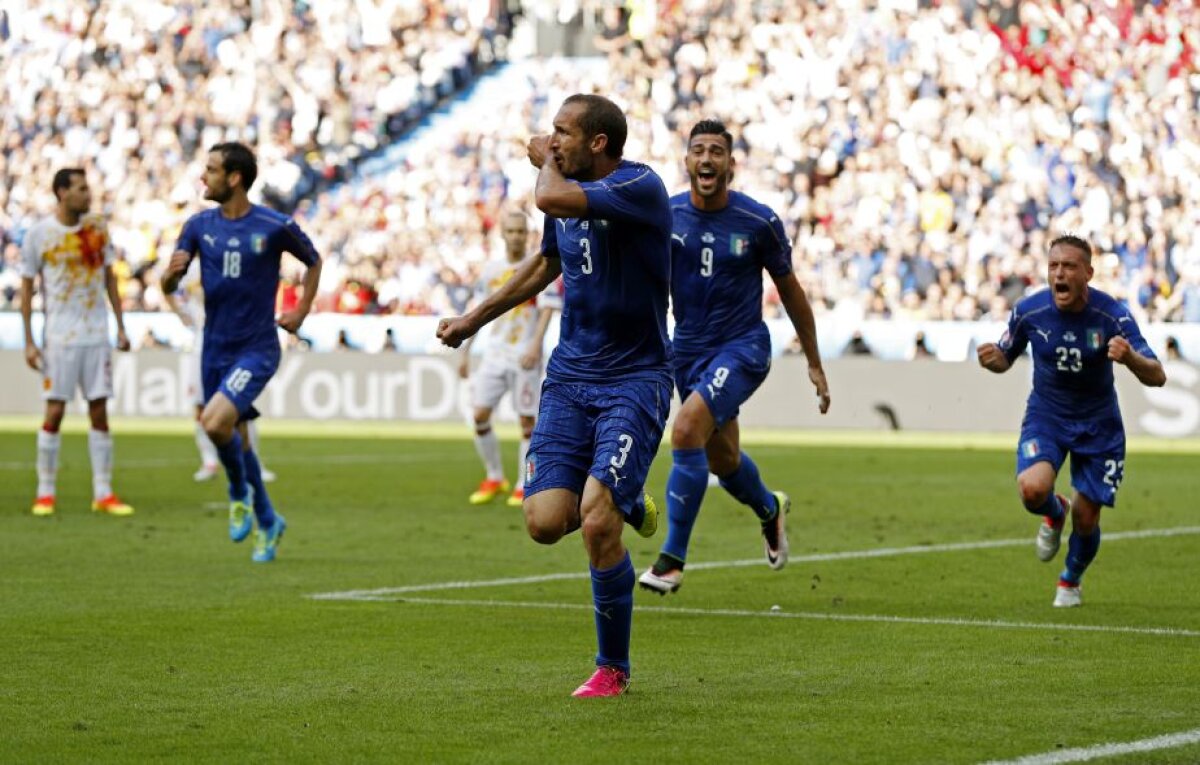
x,y
62,179
602,116
712,127
1071,240
237,158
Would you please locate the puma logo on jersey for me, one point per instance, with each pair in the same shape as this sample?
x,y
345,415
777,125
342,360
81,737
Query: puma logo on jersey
x,y
212,240
1045,333
617,477
682,238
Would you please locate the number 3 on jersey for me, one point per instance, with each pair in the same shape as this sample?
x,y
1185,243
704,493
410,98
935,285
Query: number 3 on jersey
x,y
231,264
585,244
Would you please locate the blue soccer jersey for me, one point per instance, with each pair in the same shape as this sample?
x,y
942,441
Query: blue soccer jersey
x,y
239,270
717,260
616,273
1072,374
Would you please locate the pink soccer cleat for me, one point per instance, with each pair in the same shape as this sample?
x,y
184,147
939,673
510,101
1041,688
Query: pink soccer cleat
x,y
606,681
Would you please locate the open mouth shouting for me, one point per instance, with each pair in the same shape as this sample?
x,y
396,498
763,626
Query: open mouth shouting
x,y
706,177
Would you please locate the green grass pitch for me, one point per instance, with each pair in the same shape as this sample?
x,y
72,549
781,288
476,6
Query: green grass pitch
x,y
156,639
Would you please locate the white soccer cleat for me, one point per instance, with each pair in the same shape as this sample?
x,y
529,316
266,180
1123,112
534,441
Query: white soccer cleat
x,y
664,583
205,473
774,531
1067,596
1049,536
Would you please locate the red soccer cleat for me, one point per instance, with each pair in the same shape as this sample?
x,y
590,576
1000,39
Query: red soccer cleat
x,y
606,681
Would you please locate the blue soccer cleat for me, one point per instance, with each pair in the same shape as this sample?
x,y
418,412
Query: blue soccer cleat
x,y
241,516
267,540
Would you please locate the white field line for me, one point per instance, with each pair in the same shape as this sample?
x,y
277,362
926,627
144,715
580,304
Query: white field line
x,y
811,615
883,552
1087,753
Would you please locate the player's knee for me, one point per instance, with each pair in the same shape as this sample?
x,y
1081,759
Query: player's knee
x,y
599,528
98,414
55,410
217,430
1033,493
542,528
1085,515
687,433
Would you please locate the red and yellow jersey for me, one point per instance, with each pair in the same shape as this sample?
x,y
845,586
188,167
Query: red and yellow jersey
x,y
71,260
509,336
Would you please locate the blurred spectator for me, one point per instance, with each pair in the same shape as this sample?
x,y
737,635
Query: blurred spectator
x,y
920,350
1173,353
343,342
857,346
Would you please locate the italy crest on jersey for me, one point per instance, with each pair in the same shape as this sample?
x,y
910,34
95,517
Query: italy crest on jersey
x,y
258,243
1095,338
739,244
1030,449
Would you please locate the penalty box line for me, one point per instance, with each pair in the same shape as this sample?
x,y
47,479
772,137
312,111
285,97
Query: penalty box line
x,y
1087,753
883,552
809,615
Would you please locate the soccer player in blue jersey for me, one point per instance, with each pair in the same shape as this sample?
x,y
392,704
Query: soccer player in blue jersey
x,y
1075,333
240,246
608,383
721,241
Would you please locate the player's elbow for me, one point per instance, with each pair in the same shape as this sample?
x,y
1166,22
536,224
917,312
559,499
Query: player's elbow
x,y
1157,377
560,203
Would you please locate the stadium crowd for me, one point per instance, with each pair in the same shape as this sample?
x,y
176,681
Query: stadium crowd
x,y
136,90
922,152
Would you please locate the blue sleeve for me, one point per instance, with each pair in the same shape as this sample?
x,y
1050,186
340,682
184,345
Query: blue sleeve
x,y
1127,328
189,238
298,244
632,197
775,247
549,238
1015,340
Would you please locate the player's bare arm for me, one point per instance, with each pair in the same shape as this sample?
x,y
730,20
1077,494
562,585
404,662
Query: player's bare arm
x,y
533,352
292,319
114,299
554,194
177,266
1148,371
33,356
799,310
464,363
177,309
534,275
992,358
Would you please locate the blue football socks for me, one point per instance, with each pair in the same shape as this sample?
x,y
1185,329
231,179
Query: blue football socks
x,y
235,468
1081,551
264,511
612,597
685,492
747,487
1050,508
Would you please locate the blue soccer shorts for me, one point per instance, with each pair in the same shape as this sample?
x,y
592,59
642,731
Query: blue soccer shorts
x,y
727,377
609,431
241,378
1096,447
